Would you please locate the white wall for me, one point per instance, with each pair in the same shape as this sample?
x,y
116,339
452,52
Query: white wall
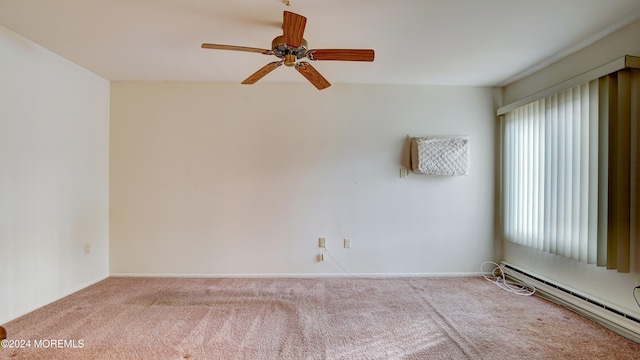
x,y
608,285
54,128
228,179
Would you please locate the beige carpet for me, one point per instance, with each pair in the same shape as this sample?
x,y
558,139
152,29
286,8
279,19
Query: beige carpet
x,y
331,318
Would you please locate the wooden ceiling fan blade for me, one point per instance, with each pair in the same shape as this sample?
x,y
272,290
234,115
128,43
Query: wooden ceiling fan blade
x,y
312,75
262,72
293,28
236,48
342,54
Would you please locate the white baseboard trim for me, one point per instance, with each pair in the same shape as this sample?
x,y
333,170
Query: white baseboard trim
x,y
301,275
54,299
595,309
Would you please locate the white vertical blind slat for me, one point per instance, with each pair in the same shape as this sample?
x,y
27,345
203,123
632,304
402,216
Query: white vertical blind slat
x,y
582,220
594,129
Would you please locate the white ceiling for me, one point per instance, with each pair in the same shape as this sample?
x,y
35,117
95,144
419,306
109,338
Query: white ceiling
x,y
441,42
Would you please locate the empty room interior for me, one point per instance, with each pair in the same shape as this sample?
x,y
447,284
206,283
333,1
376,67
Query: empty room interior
x,y
169,190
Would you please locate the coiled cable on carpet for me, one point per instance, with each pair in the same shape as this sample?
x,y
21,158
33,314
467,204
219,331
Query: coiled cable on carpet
x,y
497,277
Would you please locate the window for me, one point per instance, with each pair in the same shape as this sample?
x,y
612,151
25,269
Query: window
x,y
570,174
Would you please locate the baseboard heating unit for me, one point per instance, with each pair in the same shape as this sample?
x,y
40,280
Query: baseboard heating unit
x,y
624,324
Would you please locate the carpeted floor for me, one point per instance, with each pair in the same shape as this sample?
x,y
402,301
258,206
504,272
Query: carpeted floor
x,y
329,318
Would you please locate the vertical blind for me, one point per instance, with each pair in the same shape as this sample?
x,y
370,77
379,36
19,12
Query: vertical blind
x,y
570,174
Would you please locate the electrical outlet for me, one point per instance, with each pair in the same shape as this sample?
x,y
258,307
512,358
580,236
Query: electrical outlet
x,y
347,243
87,248
322,242
404,172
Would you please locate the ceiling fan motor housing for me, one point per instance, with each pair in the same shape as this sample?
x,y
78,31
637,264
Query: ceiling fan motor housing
x,y
289,54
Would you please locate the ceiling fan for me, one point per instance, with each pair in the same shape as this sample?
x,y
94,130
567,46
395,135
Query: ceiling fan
x,y
291,47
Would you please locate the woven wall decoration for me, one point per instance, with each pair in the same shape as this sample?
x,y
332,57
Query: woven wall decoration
x,y
440,155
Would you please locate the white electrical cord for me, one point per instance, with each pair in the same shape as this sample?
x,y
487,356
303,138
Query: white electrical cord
x,y
497,277
326,251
